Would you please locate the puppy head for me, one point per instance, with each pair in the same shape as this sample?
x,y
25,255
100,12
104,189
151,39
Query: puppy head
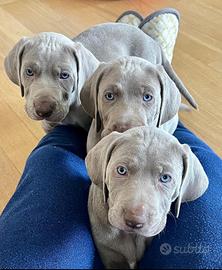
x,y
130,92
49,70
141,172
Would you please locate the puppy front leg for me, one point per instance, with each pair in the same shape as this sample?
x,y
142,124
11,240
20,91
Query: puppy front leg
x,y
112,259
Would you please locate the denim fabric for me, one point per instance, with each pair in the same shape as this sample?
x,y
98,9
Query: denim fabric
x,y
46,225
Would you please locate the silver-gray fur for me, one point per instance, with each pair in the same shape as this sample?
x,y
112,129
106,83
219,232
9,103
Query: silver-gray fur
x,y
55,100
136,175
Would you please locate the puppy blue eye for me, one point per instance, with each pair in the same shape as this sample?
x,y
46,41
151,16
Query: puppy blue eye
x,y
147,97
29,72
109,96
165,178
64,75
122,170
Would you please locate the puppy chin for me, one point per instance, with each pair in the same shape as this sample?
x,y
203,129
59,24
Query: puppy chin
x,y
56,118
154,230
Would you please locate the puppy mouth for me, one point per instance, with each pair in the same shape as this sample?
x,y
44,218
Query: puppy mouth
x,y
146,230
56,116
155,229
150,232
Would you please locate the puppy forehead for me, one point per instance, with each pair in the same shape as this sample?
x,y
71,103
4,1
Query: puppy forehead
x,y
146,145
48,46
130,73
50,40
163,149
47,57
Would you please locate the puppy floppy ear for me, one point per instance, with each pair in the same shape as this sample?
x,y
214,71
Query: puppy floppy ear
x,y
170,97
98,158
13,62
89,95
194,181
86,64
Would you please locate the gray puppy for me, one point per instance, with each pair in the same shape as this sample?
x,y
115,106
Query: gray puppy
x,y
136,175
129,92
51,69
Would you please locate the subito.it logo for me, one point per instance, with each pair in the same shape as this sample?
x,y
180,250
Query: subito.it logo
x,y
165,249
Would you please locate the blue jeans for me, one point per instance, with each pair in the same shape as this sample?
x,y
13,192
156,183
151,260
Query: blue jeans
x,y
46,225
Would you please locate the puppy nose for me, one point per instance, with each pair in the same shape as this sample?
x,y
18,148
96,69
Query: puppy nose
x,y
135,217
44,108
